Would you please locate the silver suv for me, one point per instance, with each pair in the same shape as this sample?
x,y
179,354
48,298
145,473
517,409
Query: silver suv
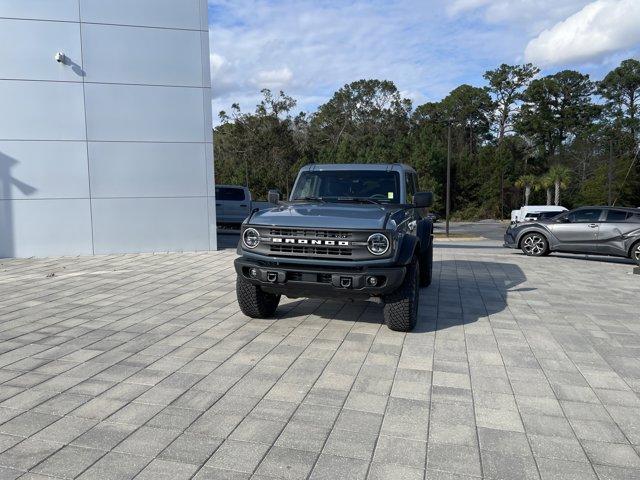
x,y
596,230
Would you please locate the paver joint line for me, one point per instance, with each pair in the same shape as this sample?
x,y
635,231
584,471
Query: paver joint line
x,y
126,365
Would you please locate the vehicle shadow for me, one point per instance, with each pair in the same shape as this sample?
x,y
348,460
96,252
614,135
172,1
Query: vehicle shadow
x,y
470,246
461,293
595,258
588,258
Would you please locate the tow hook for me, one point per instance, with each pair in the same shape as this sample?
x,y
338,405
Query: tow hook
x,y
345,282
272,277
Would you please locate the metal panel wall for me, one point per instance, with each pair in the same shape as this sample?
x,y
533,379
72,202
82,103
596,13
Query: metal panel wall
x,y
109,151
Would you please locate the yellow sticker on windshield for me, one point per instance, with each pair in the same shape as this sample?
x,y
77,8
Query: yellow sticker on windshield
x,y
390,195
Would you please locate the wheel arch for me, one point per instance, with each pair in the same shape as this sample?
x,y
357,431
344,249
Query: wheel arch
x,y
424,232
409,247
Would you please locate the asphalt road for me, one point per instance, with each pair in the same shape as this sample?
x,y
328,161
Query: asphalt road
x,y
491,230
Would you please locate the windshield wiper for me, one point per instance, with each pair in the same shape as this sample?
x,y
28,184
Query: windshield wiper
x,y
358,199
310,199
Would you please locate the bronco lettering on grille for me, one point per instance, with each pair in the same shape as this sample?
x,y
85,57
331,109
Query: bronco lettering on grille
x,y
305,241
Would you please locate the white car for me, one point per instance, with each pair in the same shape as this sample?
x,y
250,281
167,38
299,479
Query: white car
x,y
531,213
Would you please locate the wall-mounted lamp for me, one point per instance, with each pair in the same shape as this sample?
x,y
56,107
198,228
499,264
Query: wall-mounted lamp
x,y
60,57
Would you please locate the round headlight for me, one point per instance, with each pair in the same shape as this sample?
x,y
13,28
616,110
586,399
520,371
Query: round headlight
x,y
378,244
250,238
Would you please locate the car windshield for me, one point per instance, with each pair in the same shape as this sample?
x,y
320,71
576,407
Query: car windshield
x,y
350,186
549,215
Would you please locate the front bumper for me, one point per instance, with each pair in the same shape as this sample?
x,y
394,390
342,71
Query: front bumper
x,y
303,281
509,240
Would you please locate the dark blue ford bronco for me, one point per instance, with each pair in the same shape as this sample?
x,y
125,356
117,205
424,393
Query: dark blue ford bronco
x,y
347,232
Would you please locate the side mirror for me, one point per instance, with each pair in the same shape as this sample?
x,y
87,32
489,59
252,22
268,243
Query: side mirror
x,y
423,199
273,197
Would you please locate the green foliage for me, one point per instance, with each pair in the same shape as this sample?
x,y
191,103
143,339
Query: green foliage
x,y
517,135
506,86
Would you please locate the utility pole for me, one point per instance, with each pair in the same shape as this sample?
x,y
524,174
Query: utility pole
x,y
610,173
501,192
246,172
448,200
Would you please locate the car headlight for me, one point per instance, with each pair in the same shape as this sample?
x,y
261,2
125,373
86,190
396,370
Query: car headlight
x,y
250,238
378,244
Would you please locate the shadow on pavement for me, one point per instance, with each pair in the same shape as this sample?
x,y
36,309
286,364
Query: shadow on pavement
x,y
461,293
583,257
470,246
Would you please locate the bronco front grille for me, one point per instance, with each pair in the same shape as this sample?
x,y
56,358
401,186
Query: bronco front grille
x,y
308,233
311,250
314,243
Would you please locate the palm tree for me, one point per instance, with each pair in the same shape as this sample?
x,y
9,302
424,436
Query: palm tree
x,y
560,176
545,182
527,182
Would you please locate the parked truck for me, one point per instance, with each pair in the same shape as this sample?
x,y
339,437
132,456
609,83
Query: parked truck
x,y
234,204
347,232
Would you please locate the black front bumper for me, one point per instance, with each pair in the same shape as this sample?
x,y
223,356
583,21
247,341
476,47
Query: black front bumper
x,y
509,241
303,281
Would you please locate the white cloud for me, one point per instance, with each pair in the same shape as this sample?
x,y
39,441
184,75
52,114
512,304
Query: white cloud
x,y
530,16
601,28
273,79
217,62
460,6
310,49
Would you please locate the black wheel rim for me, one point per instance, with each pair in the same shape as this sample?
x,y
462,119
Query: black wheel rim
x,y
533,245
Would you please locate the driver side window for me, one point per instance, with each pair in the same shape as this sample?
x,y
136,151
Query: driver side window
x,y
585,216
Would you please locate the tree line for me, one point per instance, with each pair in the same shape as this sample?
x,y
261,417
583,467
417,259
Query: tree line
x,y
521,138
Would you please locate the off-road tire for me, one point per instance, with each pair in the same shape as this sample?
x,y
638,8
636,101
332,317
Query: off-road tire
x,y
535,244
401,307
426,266
253,301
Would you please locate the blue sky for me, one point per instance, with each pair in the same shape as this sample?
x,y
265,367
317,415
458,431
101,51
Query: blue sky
x,y
311,48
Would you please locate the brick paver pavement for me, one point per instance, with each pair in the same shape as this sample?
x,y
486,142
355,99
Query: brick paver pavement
x,y
115,367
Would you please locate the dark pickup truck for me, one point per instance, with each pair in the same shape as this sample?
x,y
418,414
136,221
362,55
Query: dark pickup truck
x,y
348,231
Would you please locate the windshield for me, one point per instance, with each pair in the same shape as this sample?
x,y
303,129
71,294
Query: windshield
x,y
550,215
355,185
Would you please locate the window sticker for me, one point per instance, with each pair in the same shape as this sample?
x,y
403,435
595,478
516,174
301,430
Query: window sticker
x,y
390,195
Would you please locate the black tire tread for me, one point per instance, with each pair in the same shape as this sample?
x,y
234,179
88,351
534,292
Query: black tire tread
x,y
426,266
633,250
399,314
253,301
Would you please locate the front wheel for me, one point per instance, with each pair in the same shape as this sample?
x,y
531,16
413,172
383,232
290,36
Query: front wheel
x,y
534,245
401,307
635,253
254,302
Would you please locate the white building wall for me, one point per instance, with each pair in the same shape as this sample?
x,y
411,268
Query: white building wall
x,y
111,151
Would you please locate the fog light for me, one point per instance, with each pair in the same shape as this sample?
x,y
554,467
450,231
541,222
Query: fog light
x,y
253,272
373,281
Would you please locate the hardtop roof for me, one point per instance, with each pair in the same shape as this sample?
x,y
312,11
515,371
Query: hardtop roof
x,y
392,167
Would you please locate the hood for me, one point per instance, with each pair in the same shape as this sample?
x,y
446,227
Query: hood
x,y
323,215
